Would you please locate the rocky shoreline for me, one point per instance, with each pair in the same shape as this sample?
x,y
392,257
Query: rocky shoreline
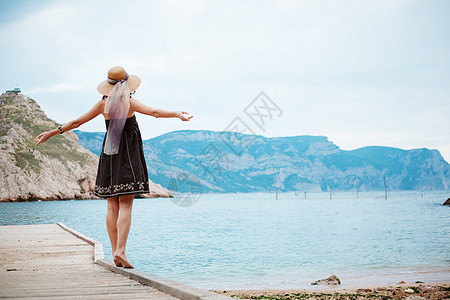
x,y
415,291
156,191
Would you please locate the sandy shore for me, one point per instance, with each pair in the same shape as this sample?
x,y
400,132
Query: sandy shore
x,y
410,291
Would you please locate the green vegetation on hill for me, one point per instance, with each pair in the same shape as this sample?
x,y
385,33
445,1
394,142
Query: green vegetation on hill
x,y
25,117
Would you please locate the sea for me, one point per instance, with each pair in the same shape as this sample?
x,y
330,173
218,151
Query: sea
x,y
271,240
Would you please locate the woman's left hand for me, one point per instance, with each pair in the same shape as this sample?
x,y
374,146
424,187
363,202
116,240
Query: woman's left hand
x,y
184,116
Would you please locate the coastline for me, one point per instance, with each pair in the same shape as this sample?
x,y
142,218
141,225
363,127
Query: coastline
x,y
416,290
354,280
427,284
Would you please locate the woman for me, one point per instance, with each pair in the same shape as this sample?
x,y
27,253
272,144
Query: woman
x,y
122,171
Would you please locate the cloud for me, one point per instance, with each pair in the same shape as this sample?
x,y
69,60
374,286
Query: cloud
x,y
57,88
354,71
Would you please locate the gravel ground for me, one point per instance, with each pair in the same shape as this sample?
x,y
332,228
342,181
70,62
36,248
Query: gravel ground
x,y
399,291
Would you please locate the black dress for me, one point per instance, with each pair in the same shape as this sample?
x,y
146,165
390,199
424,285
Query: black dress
x,y
123,173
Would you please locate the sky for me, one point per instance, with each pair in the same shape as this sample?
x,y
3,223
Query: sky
x,y
360,72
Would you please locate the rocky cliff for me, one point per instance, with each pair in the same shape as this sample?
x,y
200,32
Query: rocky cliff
x,y
57,169
224,162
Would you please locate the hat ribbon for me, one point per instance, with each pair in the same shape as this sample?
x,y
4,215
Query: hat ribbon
x,y
114,81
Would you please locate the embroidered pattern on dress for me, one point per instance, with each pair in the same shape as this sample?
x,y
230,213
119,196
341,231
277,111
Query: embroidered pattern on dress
x,y
119,188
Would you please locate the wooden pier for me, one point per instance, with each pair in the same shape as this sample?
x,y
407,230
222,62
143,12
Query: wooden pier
x,y
53,261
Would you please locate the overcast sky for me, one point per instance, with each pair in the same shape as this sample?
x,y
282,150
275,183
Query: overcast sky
x,y
359,72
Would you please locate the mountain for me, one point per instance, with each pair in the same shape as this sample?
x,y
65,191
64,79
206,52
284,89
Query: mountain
x,y
231,162
91,140
57,169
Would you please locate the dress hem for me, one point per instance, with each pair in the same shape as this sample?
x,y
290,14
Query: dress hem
x,y
122,194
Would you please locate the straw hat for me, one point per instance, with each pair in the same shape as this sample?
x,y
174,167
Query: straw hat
x,y
118,73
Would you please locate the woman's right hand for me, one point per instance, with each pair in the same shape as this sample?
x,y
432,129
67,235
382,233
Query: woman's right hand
x,y
43,137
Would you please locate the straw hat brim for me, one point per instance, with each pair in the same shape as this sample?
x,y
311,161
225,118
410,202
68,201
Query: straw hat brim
x,y
105,87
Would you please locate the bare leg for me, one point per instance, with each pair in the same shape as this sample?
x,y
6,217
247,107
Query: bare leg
x,y
111,221
111,224
123,228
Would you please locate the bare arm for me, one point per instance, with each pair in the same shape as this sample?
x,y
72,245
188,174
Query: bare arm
x,y
157,112
92,113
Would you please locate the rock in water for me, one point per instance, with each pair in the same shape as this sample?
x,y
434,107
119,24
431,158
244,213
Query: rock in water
x,y
156,190
332,280
447,202
57,169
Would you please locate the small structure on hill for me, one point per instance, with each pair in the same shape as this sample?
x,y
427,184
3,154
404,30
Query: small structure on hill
x,y
15,90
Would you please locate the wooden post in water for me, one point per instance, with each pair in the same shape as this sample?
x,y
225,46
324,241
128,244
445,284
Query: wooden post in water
x,y
305,194
331,197
385,188
276,193
356,193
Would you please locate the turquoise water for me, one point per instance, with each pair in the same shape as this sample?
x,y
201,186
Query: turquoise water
x,y
253,240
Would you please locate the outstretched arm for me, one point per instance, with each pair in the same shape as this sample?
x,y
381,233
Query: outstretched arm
x,y
157,112
92,113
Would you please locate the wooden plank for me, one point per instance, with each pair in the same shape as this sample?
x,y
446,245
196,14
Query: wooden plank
x,y
45,261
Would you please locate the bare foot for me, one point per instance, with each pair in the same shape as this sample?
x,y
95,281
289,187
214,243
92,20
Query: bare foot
x,y
121,258
117,262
